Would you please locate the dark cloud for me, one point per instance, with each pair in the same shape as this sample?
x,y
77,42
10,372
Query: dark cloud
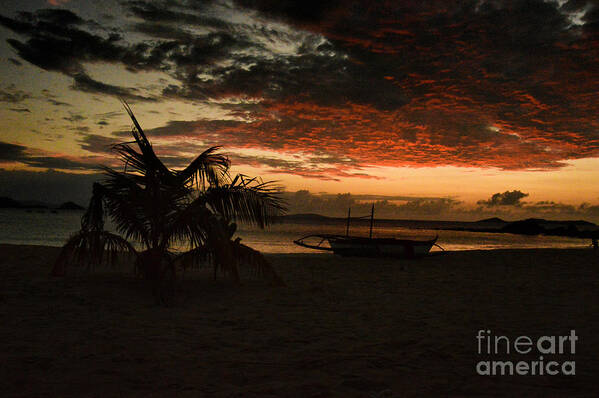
x,y
57,103
13,95
312,167
11,153
507,198
551,207
304,201
97,143
314,78
20,110
56,16
80,129
57,41
254,63
591,211
83,82
50,162
74,117
171,13
302,12
15,62
162,31
52,99
108,115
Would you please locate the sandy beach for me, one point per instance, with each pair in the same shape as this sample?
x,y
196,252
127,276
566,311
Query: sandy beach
x,y
342,327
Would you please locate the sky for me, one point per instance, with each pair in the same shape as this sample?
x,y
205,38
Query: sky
x,y
436,107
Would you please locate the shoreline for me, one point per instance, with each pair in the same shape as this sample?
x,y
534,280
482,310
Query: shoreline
x,y
434,251
343,327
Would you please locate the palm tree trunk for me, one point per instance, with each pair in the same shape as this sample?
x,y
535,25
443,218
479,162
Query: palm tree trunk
x,y
156,268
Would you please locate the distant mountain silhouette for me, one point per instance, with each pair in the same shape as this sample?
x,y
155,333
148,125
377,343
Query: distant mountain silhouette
x,y
304,216
536,226
492,220
525,227
10,203
70,206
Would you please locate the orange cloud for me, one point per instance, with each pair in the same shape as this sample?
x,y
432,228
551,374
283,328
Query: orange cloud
x,y
435,130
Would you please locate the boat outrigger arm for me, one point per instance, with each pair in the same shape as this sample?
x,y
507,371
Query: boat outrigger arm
x,y
323,238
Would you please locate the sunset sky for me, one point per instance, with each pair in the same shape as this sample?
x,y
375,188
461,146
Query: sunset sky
x,y
422,102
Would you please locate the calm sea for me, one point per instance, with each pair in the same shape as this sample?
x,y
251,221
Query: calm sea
x,y
43,227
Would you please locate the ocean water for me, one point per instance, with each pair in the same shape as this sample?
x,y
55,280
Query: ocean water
x,y
43,227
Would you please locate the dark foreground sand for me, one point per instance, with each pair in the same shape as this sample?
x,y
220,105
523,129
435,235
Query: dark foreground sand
x,y
342,327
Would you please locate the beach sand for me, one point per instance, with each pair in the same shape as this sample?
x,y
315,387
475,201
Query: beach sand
x,y
342,327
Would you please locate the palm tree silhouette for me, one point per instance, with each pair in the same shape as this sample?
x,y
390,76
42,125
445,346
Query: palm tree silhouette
x,y
157,207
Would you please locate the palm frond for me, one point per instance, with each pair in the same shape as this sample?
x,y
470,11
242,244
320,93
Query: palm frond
x,y
89,248
248,200
192,223
151,161
223,258
131,158
194,258
93,218
208,168
125,200
255,262
226,255
217,248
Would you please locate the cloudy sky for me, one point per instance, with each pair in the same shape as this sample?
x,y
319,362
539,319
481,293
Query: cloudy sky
x,y
440,101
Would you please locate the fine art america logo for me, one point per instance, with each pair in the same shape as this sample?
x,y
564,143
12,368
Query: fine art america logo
x,y
501,346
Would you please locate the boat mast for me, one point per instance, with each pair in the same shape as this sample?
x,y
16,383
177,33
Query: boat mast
x,y
348,215
371,220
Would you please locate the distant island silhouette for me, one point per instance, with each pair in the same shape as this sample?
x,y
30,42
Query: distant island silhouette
x,y
10,203
530,226
492,220
70,206
535,226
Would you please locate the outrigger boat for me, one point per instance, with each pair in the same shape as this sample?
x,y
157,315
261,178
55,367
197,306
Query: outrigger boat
x,y
345,245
